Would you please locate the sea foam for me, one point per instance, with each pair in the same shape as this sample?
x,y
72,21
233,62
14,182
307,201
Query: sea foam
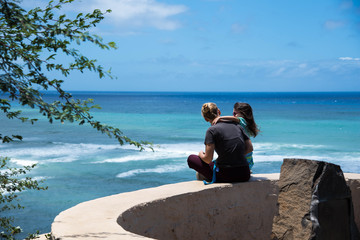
x,y
56,152
163,151
23,162
159,169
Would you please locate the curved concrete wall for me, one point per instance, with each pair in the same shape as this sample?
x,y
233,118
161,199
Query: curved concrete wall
x,y
189,210
229,211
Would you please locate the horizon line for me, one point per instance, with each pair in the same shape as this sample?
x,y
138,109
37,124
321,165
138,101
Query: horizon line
x,y
169,91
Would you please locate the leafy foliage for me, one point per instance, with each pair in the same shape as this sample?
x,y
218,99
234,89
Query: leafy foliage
x,y
30,43
10,186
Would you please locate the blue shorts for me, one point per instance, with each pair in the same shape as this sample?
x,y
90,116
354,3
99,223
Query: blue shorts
x,y
249,159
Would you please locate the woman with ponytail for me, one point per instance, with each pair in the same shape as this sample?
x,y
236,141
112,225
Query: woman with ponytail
x,y
243,114
230,143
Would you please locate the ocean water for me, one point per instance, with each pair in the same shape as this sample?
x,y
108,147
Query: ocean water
x,y
79,164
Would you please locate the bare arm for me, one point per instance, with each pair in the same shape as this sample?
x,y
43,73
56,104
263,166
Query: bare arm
x,y
225,118
208,155
248,146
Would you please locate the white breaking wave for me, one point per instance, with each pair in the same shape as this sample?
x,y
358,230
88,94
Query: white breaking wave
x,y
334,157
279,158
57,152
279,146
40,178
263,152
160,169
23,162
69,152
164,151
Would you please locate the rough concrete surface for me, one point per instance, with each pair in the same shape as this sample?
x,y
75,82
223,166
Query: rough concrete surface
x,y
177,211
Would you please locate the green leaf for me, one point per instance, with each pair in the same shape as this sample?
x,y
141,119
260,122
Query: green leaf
x,y
112,44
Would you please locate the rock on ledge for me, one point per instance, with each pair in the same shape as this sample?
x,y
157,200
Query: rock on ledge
x,y
188,210
314,203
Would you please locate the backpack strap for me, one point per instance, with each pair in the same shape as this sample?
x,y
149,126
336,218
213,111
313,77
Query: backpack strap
x,y
215,169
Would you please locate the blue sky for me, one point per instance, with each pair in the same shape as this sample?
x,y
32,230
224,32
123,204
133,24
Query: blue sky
x,y
225,45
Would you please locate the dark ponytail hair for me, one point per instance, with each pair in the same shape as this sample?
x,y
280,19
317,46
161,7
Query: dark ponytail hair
x,y
245,110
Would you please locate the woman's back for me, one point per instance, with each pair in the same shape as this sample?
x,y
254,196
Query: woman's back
x,y
229,140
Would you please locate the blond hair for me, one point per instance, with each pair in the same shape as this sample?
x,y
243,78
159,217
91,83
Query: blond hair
x,y
209,111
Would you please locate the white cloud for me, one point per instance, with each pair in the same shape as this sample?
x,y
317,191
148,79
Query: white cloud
x,y
349,59
278,72
291,69
331,25
302,65
140,13
346,5
237,28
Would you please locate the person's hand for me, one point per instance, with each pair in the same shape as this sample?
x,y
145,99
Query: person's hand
x,y
215,121
201,154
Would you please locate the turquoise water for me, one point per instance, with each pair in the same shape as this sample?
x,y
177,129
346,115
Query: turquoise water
x,y
79,164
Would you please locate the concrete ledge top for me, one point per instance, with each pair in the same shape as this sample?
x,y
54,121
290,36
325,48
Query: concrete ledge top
x,y
98,218
352,176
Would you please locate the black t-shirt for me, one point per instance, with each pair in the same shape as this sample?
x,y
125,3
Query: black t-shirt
x,y
229,139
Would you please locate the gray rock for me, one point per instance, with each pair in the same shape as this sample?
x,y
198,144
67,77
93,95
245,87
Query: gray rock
x,y
314,203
